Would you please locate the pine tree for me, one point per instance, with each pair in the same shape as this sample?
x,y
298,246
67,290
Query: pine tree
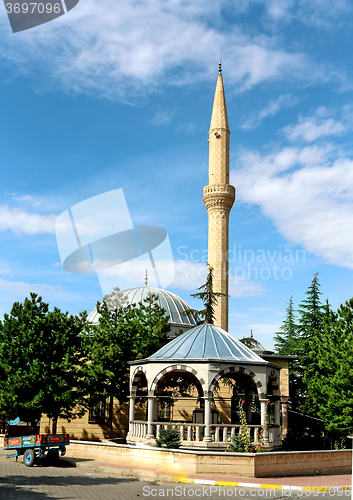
x,y
311,326
287,343
333,383
209,298
286,339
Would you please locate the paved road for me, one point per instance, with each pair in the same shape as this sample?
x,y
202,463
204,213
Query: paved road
x,y
65,481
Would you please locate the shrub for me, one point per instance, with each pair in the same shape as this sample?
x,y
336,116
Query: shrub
x,y
169,438
241,443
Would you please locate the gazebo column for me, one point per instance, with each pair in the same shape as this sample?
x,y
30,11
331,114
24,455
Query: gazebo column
x,y
263,403
207,420
277,413
150,417
131,413
277,420
284,401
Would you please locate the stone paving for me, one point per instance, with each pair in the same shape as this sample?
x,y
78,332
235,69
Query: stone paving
x,y
89,481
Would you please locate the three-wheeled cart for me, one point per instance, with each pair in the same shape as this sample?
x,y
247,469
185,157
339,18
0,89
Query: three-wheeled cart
x,y
36,445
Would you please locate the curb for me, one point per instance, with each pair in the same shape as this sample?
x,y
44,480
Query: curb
x,y
152,476
260,486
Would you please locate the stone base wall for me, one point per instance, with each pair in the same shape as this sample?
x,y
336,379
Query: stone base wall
x,y
182,463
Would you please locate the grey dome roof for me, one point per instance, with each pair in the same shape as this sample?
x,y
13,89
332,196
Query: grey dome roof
x,y
173,305
206,342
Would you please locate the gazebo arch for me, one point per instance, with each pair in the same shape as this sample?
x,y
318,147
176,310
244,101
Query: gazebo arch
x,y
177,368
233,370
134,380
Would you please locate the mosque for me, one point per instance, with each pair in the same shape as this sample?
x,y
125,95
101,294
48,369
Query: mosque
x,y
216,369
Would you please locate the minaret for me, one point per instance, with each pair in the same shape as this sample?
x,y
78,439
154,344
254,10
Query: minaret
x,y
219,197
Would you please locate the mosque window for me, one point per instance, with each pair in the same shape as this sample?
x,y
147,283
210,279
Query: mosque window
x,y
96,412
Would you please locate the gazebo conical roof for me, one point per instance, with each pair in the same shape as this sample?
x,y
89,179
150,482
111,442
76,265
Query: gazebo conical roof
x,y
206,342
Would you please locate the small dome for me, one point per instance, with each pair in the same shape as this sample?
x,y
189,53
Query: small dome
x,y
206,342
171,303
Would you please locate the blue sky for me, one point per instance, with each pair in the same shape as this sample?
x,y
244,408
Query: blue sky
x,y
119,95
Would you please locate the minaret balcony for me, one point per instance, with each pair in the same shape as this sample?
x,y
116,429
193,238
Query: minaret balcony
x,y
219,196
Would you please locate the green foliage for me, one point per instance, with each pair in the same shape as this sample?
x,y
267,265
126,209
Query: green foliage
x,y
321,376
241,443
237,444
169,438
41,362
115,299
123,334
287,343
286,340
209,299
330,387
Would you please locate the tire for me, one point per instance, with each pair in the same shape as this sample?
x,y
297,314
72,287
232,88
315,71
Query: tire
x,y
28,457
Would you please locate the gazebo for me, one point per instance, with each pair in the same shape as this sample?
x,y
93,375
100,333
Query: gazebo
x,y
205,356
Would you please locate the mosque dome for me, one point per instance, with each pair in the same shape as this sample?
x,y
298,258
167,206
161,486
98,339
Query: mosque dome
x,y
206,342
173,305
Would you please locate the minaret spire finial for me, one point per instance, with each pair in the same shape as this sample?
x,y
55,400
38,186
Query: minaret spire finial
x,y
146,278
220,66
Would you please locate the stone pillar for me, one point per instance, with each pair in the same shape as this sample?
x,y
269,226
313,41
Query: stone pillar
x,y
207,419
131,412
277,413
284,401
263,403
150,417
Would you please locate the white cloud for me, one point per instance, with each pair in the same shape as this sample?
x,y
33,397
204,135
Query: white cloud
x,y
21,221
28,198
283,101
321,13
279,9
118,48
24,288
308,198
188,276
162,118
311,128
245,288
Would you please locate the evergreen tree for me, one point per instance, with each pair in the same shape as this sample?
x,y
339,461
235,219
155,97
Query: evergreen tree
x,y
332,385
286,339
209,298
115,299
311,326
287,342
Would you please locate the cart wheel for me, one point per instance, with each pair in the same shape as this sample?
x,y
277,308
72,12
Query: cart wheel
x,y
28,458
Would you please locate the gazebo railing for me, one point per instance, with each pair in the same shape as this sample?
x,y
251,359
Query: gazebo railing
x,y
220,433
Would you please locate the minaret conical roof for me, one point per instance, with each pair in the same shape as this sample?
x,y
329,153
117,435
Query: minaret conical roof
x,y
219,112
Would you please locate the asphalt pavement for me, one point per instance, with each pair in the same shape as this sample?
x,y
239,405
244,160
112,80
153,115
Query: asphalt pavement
x,y
65,480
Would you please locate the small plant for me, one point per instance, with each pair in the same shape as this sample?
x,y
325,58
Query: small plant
x,y
340,445
241,442
169,438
